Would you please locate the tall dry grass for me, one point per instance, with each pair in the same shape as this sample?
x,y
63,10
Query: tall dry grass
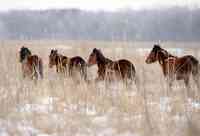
x,y
58,106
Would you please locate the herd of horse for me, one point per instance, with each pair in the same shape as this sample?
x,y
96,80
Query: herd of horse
x,y
173,67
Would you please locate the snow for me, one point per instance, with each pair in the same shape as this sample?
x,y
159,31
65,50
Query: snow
x,y
98,124
35,108
164,104
3,133
193,104
24,128
102,120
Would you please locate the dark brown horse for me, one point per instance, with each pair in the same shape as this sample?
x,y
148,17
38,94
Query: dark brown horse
x,y
122,69
68,65
32,66
173,67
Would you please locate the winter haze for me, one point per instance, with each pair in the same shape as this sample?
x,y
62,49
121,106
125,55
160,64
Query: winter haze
x,y
61,105
94,4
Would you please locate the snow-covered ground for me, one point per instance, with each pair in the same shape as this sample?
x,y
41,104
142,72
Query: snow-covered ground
x,y
41,119
59,107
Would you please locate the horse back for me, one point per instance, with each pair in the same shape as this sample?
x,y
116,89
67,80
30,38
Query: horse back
x,y
189,64
181,66
189,59
77,61
36,64
125,67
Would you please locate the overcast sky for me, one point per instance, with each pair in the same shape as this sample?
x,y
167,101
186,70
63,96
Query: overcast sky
x,y
111,5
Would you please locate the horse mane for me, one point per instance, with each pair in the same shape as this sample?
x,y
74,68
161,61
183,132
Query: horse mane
x,y
24,52
100,56
164,54
157,48
59,58
167,54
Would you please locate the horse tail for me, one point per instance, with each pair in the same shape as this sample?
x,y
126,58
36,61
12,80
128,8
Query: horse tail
x,y
38,67
196,72
41,68
85,71
133,73
83,68
195,66
134,77
198,68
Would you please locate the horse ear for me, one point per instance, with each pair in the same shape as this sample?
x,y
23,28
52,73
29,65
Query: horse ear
x,y
22,48
156,47
94,50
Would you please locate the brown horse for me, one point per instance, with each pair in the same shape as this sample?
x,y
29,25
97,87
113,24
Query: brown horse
x,y
68,65
59,60
123,69
173,67
32,66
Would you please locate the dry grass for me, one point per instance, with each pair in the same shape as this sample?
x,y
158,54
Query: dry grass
x,y
58,106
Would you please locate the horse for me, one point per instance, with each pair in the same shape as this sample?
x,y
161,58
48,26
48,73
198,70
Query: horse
x,y
122,69
32,65
68,65
59,60
173,67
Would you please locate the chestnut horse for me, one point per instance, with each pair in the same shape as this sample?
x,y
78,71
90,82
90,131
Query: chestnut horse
x,y
173,67
122,69
32,66
68,65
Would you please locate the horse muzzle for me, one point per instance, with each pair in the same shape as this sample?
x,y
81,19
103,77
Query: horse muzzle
x,y
89,64
148,61
50,65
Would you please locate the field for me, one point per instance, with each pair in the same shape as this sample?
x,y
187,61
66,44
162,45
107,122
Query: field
x,y
57,106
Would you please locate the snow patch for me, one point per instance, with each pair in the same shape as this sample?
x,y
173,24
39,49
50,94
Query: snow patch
x,y
40,108
194,104
164,104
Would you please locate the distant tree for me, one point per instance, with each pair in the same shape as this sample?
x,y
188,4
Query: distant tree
x,y
170,24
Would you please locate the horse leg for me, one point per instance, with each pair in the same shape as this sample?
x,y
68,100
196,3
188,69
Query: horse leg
x,y
135,79
84,73
57,69
70,71
125,81
23,74
41,69
186,81
196,80
98,79
169,84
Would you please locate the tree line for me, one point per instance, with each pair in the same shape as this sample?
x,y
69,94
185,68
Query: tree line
x,y
169,24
